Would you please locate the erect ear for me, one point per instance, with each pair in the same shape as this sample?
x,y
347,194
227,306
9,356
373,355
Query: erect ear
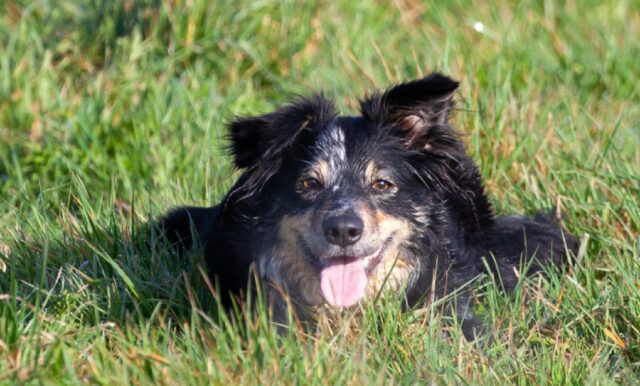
x,y
260,138
418,111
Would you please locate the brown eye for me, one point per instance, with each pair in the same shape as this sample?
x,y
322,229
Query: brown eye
x,y
381,185
311,184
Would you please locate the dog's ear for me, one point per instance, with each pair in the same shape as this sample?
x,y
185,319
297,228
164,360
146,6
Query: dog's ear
x,y
417,111
247,138
260,138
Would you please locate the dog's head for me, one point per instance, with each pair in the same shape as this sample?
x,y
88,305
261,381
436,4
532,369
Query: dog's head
x,y
346,201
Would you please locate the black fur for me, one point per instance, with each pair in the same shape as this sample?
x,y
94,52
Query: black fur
x,y
404,131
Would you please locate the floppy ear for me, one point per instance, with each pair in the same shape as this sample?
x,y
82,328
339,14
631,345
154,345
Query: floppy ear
x,y
260,138
246,135
418,111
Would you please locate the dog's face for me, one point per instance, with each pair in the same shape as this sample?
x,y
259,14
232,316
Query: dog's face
x,y
350,209
345,207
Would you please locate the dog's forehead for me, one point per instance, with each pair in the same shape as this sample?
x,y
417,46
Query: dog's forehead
x,y
339,139
349,149
331,143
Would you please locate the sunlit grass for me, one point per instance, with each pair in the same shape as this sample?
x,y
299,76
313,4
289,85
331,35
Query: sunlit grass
x,y
112,112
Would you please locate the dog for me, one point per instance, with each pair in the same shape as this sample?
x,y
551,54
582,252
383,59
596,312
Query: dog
x,y
331,210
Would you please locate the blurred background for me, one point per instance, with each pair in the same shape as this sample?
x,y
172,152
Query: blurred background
x,y
136,93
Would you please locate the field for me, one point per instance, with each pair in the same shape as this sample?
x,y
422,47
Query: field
x,y
112,112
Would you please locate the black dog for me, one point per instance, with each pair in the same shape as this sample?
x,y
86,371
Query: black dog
x,y
332,209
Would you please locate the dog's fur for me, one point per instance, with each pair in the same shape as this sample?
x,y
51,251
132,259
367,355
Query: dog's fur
x,y
332,209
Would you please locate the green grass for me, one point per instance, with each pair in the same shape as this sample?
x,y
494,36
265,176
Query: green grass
x,y
112,112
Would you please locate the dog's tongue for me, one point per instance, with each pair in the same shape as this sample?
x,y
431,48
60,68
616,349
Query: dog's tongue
x,y
343,284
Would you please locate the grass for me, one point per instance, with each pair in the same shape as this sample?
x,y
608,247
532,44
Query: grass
x,y
112,112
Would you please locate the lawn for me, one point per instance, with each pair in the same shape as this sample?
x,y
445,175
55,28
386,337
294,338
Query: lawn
x,y
112,112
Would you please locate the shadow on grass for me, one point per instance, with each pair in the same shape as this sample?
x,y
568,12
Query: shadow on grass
x,y
90,273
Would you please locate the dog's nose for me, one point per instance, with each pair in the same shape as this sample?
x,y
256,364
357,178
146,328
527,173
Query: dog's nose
x,y
343,230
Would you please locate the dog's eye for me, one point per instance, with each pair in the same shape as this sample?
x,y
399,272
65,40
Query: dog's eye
x,y
381,185
311,184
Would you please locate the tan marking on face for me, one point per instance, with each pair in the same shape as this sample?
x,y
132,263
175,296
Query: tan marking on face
x,y
370,172
388,225
288,266
323,171
394,271
368,218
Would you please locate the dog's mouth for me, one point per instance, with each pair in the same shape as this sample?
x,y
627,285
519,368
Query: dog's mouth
x,y
344,279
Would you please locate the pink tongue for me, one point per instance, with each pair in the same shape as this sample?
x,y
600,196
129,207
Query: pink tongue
x,y
343,284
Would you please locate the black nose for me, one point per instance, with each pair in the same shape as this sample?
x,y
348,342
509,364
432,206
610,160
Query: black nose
x,y
343,230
